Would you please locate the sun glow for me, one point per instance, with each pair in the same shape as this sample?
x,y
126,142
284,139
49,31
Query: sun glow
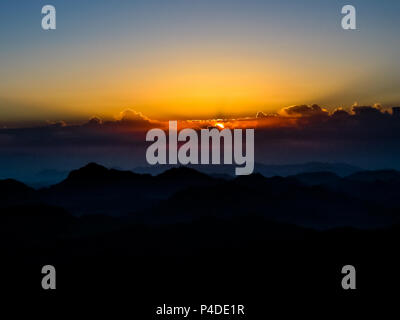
x,y
220,125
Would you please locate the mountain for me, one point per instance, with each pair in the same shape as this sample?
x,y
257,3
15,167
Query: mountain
x,y
317,178
316,199
14,192
101,221
183,174
391,176
48,177
11,186
95,175
283,200
95,189
379,187
209,169
340,169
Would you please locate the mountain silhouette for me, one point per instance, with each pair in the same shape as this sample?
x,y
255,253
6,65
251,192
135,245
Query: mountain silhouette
x,y
11,186
184,173
317,178
13,192
315,199
341,169
376,176
94,173
267,170
95,189
155,231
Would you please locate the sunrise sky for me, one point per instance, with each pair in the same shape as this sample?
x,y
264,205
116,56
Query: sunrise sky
x,y
197,59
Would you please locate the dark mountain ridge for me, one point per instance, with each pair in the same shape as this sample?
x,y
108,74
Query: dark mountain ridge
x,y
317,199
267,170
154,233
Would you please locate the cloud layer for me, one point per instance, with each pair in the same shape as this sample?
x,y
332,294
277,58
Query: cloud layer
x,y
366,136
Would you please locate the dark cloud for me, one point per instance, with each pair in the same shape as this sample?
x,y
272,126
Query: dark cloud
x,y
304,111
94,121
127,120
339,113
366,136
57,124
261,114
367,110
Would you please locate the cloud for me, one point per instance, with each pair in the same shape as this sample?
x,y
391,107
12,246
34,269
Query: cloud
x,y
130,115
304,111
298,130
340,113
132,120
261,114
57,124
367,110
94,121
127,120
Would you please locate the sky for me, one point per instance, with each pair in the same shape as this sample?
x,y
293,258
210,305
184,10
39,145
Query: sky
x,y
197,59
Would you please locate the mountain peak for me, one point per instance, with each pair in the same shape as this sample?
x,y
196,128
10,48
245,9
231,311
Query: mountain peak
x,y
183,172
11,185
90,171
94,172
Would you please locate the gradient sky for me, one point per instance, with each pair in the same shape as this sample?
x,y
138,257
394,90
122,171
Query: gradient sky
x,y
194,58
